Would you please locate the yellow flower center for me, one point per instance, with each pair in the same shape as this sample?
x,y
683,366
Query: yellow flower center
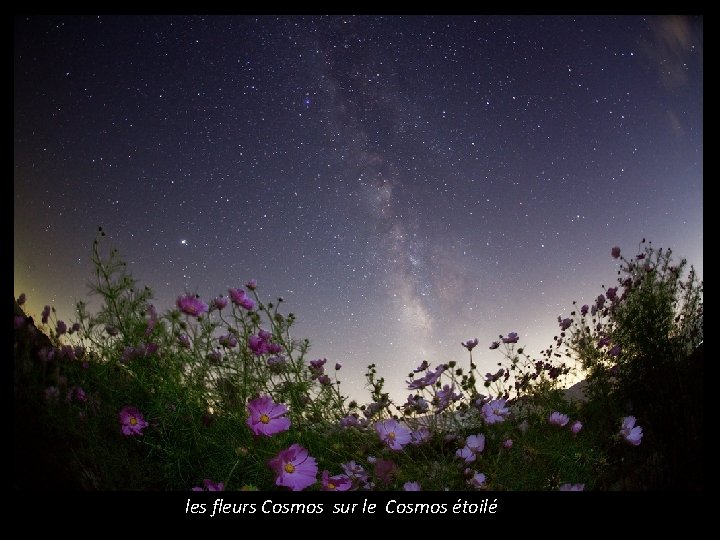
x,y
391,435
330,485
133,421
264,418
289,468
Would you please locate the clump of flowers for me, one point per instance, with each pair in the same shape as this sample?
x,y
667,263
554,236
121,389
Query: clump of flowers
x,y
474,445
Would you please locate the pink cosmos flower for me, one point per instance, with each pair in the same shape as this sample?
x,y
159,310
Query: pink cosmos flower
x,y
422,367
384,470
266,416
615,252
443,398
191,305
495,411
632,433
512,337
338,366
239,298
470,344
573,487
576,427
474,445
340,482
228,341
45,314
565,324
61,327
411,486
131,421
428,380
558,419
355,471
508,444
477,481
494,345
184,340
393,433
210,486
611,293
258,345
420,435
220,302
294,468
584,310
324,380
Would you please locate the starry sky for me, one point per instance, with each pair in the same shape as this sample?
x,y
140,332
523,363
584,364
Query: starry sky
x,y
405,183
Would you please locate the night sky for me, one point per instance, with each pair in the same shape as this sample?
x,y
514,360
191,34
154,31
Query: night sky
x,y
405,183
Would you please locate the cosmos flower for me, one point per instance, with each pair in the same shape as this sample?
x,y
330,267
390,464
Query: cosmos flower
x,y
565,324
258,345
340,482
239,298
615,252
45,314
632,433
294,468
573,487
210,486
228,341
558,419
220,302
411,486
512,337
615,350
611,293
477,481
443,398
576,426
420,435
266,416
131,421
191,305
470,344
61,328
494,345
184,340
355,471
393,433
422,367
495,411
474,445
508,443
584,310
428,380
251,284
21,299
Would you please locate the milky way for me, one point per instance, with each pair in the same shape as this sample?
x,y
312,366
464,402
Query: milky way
x,y
404,183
